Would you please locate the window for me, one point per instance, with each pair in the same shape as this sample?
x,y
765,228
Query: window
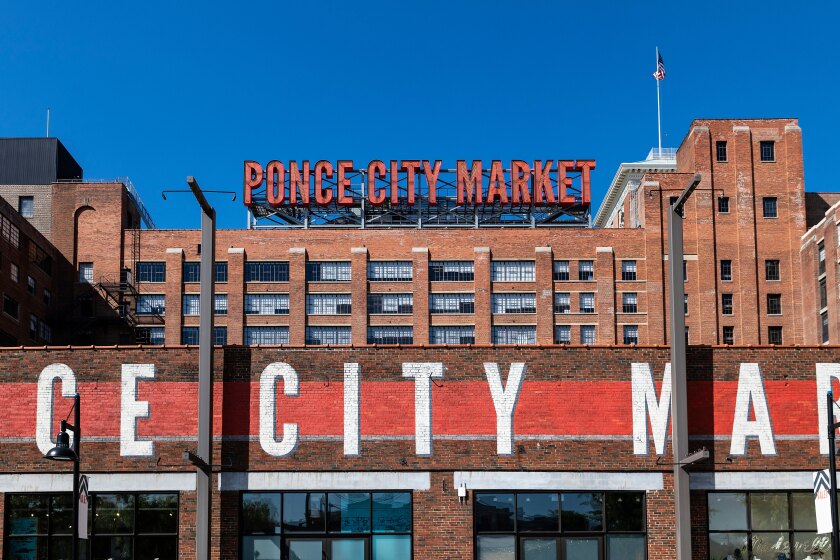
x,y
768,150
390,271
769,204
150,335
10,306
631,334
30,285
192,272
328,271
220,304
726,270
266,336
729,335
608,525
774,335
723,204
451,271
452,303
220,336
629,302
821,256
585,270
672,200
266,304
85,272
390,304
823,294
562,302
513,303
334,525
189,335
587,302
561,271
26,206
685,271
151,272
824,323
33,327
190,304
628,270
327,335
772,271
726,304
390,335
563,334
512,271
685,304
46,331
774,304
515,334
121,525
9,232
47,296
587,334
720,151
266,271
452,335
328,304
40,257
151,304
763,525
221,272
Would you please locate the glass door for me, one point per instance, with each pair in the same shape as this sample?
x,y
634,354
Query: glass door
x,y
581,548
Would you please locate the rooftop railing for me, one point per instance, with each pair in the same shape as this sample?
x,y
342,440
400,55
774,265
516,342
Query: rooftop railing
x,y
662,153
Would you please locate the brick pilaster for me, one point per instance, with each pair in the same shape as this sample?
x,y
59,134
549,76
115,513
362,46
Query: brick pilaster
x,y
483,287
297,296
359,291
236,295
605,294
545,295
174,290
420,256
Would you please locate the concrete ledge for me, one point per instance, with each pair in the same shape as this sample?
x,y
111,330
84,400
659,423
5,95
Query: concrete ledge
x,y
236,250
297,250
792,128
110,482
542,249
419,249
175,250
603,249
740,128
517,480
358,250
482,249
324,481
752,480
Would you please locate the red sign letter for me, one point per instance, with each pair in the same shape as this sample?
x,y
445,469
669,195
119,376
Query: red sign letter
x,y
296,184
343,182
585,166
431,180
411,167
520,176
564,182
275,183
323,169
542,183
253,179
473,191
375,169
497,186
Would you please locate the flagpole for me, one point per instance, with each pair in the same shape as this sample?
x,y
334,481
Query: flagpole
x,y
658,107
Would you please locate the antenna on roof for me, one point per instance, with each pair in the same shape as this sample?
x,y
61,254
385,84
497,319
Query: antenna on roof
x,y
48,122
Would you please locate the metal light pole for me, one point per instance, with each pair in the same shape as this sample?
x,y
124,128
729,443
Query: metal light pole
x,y
63,452
832,472
679,393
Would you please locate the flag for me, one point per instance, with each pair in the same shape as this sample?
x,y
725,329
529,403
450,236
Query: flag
x,y
660,69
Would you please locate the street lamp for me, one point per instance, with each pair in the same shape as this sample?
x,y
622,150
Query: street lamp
x,y
63,451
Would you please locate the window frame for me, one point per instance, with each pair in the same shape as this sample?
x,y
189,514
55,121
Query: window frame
x,y
726,270
629,271
521,270
151,272
721,155
459,271
770,207
266,272
723,205
772,266
767,151
30,212
461,331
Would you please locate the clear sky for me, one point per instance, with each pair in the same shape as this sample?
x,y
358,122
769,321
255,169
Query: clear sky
x,y
157,91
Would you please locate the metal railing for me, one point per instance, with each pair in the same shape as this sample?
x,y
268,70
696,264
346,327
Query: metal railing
x,y
661,153
145,216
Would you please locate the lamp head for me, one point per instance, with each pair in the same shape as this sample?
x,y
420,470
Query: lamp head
x,y
62,450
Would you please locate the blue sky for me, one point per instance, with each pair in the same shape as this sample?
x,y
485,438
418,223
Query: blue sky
x,y
157,91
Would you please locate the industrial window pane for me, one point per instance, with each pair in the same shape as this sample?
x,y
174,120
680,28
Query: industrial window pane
x,y
512,303
727,511
452,303
266,304
582,511
266,336
768,511
625,511
587,302
769,545
266,271
328,304
189,335
769,204
85,272
720,151
347,549
804,512
391,547
538,512
494,512
327,335
151,272
114,514
150,335
824,324
157,513
515,334
628,270
386,304
220,304
390,335
561,270
587,334
28,514
629,302
586,270
190,304
11,306
261,548
496,548
772,270
191,272
581,548
26,206
626,547
726,304
562,302
774,335
112,547
391,512
631,334
451,271
729,335
300,549
811,546
821,256
726,270
512,271
768,150
220,336
563,334
774,304
723,204
823,294
328,271
390,271
151,304
452,335
304,511
221,271
349,512
534,548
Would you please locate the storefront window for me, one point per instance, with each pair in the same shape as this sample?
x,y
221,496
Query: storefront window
x,y
326,526
551,525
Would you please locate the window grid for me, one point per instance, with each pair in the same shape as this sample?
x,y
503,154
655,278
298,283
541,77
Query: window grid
x,y
151,272
220,336
629,302
563,334
317,336
26,206
220,304
512,271
460,334
513,303
723,205
267,271
452,304
328,271
774,304
586,270
628,270
562,302
151,304
821,256
726,304
772,271
561,271
587,302
451,271
720,151
631,334
221,271
9,232
11,306
390,271
726,270
391,334
85,272
824,325
266,304
774,335
192,272
390,304
150,335
823,294
515,334
769,205
729,335
266,335
328,304
768,150
587,334
189,335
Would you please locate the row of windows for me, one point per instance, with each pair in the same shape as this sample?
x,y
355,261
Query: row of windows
x,y
766,149
588,334
772,270
769,206
774,304
192,271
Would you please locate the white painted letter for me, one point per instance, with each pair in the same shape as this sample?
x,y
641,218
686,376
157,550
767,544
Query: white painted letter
x,y
352,383
268,409
826,374
504,399
132,409
44,412
423,373
646,405
751,389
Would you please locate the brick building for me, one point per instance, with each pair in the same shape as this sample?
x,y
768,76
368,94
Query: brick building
x,y
534,358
